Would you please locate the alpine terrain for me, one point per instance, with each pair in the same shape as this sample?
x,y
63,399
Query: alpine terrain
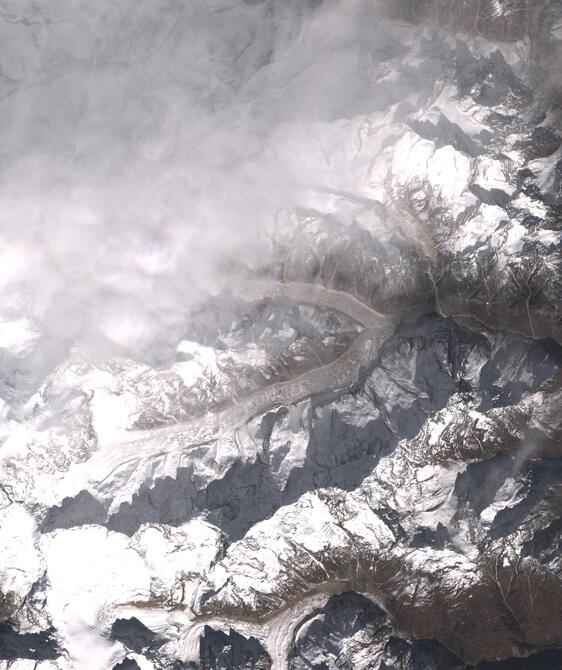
x,y
280,335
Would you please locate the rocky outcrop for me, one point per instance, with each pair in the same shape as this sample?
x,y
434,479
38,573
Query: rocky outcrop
x,y
353,459
41,646
350,631
222,651
507,21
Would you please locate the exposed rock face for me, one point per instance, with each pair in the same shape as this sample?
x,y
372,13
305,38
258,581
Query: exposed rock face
x,y
33,646
354,459
510,20
134,635
127,664
220,651
350,631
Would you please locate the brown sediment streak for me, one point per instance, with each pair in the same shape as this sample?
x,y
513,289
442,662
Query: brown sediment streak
x,y
131,446
339,373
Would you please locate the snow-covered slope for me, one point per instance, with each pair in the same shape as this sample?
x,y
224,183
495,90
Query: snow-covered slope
x,y
294,400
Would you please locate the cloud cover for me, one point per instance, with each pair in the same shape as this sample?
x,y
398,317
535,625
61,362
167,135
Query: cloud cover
x,y
143,147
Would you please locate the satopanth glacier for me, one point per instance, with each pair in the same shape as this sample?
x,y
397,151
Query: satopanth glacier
x,y
280,337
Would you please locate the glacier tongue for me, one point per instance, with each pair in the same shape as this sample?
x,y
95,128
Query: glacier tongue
x,y
280,337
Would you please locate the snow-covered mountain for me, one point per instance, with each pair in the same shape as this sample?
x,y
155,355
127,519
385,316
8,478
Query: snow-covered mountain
x,y
280,336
